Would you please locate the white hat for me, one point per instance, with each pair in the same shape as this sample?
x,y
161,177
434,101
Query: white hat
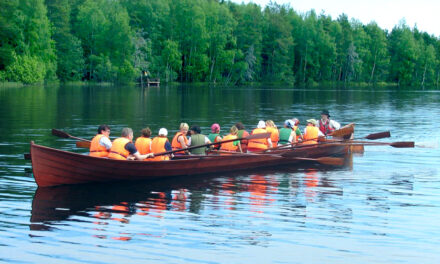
x,y
261,124
163,132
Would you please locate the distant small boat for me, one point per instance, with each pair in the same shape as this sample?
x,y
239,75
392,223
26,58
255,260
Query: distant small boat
x,y
53,167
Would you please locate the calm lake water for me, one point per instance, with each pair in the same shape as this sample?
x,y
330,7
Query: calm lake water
x,y
382,208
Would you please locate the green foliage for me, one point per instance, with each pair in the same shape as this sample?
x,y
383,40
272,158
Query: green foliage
x,y
205,40
26,69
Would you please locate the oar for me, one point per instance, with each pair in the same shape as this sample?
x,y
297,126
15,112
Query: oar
x,y
256,136
83,144
323,160
400,144
63,134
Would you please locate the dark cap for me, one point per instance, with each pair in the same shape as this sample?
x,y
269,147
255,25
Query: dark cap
x,y
325,112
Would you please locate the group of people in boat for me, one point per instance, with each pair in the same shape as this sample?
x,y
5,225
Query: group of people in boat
x,y
147,148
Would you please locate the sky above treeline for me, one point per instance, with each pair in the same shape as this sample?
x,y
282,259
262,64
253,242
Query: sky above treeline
x,y
386,13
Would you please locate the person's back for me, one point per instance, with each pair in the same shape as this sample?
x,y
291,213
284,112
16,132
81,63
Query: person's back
x,y
242,133
158,146
143,143
311,132
260,143
198,140
274,133
285,134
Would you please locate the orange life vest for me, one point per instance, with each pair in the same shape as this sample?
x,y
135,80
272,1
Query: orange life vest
x,y
96,149
274,135
258,143
175,144
157,146
118,150
143,145
311,135
229,146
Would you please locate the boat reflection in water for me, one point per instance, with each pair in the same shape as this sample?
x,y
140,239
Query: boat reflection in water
x,y
104,205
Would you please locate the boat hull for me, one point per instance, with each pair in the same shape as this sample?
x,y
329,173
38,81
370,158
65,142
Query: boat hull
x,y
53,167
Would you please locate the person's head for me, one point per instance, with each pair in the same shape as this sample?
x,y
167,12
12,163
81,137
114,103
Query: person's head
x,y
104,129
239,126
288,124
146,132
163,132
234,130
295,121
261,124
325,115
184,128
127,133
215,128
312,122
270,123
196,130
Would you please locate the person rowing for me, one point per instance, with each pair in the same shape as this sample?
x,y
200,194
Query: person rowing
x,y
214,136
180,141
295,127
161,144
287,134
274,133
242,133
143,143
259,144
327,125
198,139
124,149
234,146
101,144
311,132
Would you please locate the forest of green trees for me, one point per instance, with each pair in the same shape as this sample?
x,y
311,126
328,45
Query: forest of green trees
x,y
205,41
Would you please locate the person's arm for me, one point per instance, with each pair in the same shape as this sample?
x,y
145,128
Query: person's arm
x,y
269,141
105,141
169,148
189,142
135,153
207,141
239,147
320,134
182,141
292,137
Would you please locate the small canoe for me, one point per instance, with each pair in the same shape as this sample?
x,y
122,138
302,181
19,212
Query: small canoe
x,y
53,167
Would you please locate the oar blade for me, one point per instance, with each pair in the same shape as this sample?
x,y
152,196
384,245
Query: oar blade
x,y
403,144
379,135
83,144
334,161
60,133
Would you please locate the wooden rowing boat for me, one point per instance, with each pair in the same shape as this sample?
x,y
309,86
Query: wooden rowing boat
x,y
56,167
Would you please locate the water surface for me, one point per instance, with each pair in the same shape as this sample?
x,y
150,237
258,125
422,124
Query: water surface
x,y
381,208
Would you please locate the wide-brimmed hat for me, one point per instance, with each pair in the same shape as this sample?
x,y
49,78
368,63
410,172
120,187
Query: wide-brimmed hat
x,y
312,121
325,112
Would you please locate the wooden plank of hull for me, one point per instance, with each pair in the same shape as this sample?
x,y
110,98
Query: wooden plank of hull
x,y
55,167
